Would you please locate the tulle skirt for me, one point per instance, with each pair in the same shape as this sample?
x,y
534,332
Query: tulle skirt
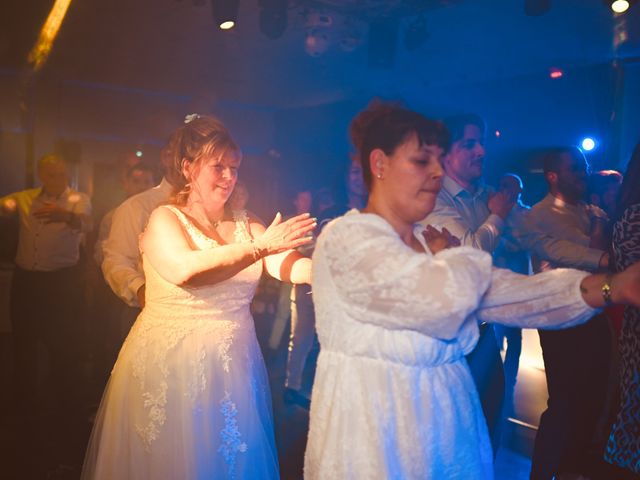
x,y
187,399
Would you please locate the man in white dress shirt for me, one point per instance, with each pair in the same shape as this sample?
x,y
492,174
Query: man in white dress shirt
x,y
122,264
46,287
476,215
113,318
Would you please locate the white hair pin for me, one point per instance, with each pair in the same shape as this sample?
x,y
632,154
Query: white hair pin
x,y
191,117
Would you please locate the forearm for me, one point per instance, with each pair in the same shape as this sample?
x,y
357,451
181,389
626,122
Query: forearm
x,y
561,253
547,300
488,235
204,267
124,277
290,266
602,289
301,271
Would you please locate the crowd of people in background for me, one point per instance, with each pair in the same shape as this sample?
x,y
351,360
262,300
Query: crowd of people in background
x,y
414,376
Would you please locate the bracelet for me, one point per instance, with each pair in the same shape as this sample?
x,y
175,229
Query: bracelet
x,y
606,290
257,253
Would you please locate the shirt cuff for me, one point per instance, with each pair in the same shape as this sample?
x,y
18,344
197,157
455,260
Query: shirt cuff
x,y
134,286
496,221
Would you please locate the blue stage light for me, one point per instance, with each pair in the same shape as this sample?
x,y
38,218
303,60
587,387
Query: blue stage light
x,y
587,144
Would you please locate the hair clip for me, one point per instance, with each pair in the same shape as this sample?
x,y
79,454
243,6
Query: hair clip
x,y
191,117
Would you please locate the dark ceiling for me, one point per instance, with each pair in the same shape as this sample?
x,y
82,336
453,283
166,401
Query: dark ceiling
x,y
331,50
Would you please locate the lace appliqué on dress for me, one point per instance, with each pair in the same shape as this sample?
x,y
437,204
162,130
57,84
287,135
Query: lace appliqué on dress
x,y
230,434
225,344
150,355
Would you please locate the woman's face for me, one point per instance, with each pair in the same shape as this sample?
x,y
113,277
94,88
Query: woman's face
x,y
411,179
214,178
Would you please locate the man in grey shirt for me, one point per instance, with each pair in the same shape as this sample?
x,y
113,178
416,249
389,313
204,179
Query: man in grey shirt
x,y
577,359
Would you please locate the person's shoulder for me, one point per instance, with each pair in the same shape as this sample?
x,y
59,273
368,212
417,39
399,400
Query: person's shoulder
x,y
356,226
27,193
541,205
142,202
163,214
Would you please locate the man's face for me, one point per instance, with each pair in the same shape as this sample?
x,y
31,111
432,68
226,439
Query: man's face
x,y
138,181
465,159
572,177
53,177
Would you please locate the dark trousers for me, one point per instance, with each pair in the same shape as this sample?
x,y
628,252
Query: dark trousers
x,y
576,363
513,335
111,320
485,364
45,311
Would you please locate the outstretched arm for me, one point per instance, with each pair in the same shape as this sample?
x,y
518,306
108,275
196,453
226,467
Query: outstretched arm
x,y
288,266
558,298
166,246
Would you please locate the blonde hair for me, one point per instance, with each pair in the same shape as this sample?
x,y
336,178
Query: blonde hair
x,y
202,136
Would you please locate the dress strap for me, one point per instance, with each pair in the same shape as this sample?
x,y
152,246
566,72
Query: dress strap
x,y
181,216
193,231
242,232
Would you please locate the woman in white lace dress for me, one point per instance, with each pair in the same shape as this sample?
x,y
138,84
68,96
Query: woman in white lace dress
x,y
396,313
188,397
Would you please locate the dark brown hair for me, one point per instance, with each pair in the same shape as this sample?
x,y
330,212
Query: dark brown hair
x,y
388,126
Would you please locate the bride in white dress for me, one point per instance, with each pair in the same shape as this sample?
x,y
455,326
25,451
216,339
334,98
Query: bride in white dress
x,y
188,397
396,313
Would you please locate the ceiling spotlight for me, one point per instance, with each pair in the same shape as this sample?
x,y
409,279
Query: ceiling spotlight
x,y
535,8
225,13
587,144
619,6
555,73
273,18
316,42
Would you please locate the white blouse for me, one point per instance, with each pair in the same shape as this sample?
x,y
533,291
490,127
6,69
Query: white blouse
x,y
393,396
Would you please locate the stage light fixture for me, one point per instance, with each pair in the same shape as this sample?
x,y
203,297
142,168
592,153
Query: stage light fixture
x,y
535,8
619,6
225,13
555,73
273,18
587,144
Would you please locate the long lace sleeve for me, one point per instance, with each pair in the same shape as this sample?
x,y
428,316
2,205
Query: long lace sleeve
x,y
380,280
547,300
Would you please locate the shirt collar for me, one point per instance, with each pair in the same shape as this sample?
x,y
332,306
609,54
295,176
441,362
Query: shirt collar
x,y
165,186
42,194
454,188
558,202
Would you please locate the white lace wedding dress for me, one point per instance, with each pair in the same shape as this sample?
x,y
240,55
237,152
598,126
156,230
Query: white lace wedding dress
x,y
393,397
188,397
